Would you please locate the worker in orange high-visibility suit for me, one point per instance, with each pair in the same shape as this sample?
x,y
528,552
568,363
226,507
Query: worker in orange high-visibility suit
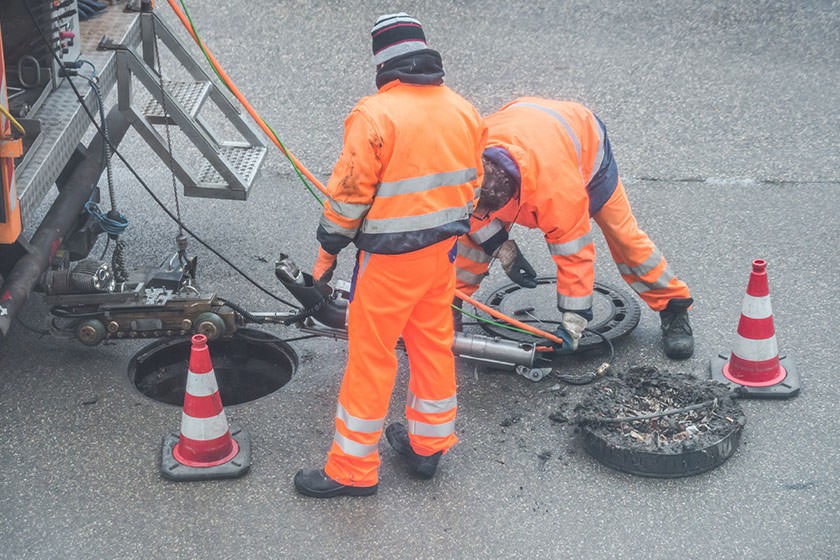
x,y
549,165
402,191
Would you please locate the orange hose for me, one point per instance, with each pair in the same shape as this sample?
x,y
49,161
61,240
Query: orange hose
x,y
501,316
239,95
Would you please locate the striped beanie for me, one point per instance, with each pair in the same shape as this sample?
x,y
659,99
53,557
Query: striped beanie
x,y
395,35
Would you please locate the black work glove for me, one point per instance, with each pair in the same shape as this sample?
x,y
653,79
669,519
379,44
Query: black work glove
x,y
515,266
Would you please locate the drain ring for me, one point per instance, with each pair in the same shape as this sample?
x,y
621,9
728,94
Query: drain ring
x,y
658,447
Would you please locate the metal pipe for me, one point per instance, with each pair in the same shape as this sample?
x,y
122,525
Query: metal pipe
x,y
56,224
496,352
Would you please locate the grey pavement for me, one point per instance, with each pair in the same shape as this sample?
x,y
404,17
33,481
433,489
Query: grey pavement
x,y
723,118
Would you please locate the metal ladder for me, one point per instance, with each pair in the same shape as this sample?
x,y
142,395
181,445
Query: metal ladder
x,y
229,167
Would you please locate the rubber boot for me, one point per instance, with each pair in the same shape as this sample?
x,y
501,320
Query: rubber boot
x,y
677,335
316,483
422,465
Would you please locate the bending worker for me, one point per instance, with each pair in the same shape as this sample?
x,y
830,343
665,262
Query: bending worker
x,y
402,191
548,165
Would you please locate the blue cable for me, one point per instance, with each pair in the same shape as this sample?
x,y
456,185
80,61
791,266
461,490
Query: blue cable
x,y
112,223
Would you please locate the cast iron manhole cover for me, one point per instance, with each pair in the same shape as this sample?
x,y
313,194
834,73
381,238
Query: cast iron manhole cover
x,y
656,424
615,313
248,366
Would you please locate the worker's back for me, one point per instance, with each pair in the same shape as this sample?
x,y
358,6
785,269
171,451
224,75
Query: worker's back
x,y
424,144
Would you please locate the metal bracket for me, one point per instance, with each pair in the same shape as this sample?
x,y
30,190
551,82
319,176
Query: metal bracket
x,y
532,374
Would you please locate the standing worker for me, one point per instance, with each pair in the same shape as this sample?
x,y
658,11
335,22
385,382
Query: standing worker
x,y
402,191
548,165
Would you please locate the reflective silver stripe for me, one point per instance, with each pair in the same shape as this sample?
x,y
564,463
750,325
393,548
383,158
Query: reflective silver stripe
x,y
431,430
599,155
486,232
650,263
756,307
357,424
333,228
660,283
349,210
468,277
570,247
560,118
415,223
473,254
430,406
204,429
756,350
427,183
201,384
353,448
574,303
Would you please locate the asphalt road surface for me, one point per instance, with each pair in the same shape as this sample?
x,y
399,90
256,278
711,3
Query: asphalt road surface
x,y
723,118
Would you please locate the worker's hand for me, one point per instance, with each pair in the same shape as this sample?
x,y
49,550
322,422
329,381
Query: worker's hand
x,y
570,331
515,266
324,267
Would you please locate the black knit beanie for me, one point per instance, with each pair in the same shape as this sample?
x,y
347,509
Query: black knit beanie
x,y
395,35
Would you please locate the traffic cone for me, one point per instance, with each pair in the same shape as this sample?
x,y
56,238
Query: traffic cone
x,y
754,366
206,448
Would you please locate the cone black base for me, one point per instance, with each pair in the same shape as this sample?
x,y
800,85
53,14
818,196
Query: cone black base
x,y
236,467
787,388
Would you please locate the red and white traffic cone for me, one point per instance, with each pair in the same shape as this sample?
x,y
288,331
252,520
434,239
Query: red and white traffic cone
x,y
754,366
206,448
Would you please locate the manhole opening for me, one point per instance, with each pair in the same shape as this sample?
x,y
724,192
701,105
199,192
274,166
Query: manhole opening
x,y
657,424
249,366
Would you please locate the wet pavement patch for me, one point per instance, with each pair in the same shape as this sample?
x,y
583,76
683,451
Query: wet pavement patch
x,y
657,424
248,366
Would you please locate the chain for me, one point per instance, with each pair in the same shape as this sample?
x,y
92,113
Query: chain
x,y
166,127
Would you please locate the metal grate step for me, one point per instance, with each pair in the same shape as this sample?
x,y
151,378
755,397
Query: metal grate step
x,y
189,95
242,159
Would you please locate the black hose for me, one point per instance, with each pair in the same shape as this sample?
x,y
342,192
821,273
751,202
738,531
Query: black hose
x,y
245,314
307,312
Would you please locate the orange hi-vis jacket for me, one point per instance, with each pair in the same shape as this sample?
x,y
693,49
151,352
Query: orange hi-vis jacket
x,y
408,174
557,147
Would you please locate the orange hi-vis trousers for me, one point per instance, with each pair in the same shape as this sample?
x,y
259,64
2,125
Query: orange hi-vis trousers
x,y
638,260
407,294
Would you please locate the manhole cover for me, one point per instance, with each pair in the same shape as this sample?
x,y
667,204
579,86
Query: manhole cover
x,y
615,313
247,367
660,424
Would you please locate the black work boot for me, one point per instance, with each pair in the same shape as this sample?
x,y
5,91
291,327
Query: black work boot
x,y
316,483
421,465
676,329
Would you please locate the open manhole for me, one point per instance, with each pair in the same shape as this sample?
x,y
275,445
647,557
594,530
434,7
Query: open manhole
x,y
666,425
248,366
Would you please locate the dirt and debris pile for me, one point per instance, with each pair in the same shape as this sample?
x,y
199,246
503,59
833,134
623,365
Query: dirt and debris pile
x,y
640,417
